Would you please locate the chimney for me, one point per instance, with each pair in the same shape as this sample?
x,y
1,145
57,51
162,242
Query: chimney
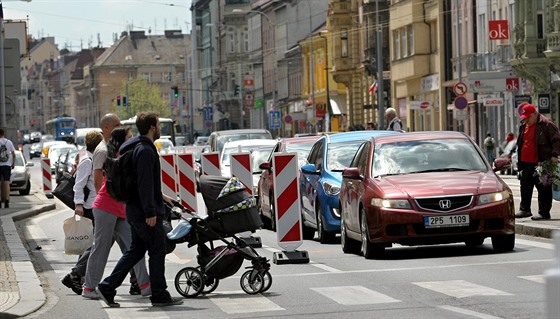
x,y
137,35
173,34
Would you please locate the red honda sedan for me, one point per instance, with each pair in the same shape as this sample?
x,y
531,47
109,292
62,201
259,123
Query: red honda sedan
x,y
423,188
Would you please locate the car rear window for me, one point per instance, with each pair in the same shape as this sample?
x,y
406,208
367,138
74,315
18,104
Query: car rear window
x,y
340,155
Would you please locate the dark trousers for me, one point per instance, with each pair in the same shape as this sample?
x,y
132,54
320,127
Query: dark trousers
x,y
528,180
144,239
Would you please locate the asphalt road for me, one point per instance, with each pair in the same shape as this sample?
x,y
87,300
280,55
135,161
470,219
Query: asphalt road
x,y
445,281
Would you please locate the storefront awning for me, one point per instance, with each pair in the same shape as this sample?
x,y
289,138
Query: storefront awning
x,y
334,109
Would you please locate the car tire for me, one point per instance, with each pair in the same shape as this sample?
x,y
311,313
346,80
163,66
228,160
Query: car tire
x,y
503,243
474,242
27,189
369,250
349,246
308,232
324,236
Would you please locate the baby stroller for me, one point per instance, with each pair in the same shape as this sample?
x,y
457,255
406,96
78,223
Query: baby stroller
x,y
231,210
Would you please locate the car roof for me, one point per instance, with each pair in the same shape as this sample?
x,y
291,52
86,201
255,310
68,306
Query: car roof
x,y
357,135
290,140
241,131
256,143
418,136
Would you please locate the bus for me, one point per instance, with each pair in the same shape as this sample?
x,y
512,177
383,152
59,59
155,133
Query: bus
x,y
62,129
167,127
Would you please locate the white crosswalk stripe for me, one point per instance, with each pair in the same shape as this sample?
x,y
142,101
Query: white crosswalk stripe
x,y
460,288
354,295
535,278
233,302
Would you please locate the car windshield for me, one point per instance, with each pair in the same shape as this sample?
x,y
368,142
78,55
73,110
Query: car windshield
x,y
302,150
426,156
339,155
259,156
19,160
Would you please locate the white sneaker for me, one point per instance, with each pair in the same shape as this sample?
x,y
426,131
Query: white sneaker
x,y
147,291
90,294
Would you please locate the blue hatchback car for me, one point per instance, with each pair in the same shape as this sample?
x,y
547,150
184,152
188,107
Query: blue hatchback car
x,y
321,178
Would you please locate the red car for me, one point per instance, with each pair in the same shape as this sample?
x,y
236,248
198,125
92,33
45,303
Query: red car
x,y
423,188
301,145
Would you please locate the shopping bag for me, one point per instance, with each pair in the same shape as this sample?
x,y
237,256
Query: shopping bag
x,y
64,190
78,235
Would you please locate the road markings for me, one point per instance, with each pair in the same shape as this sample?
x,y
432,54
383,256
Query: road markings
x,y
537,244
535,278
324,267
233,302
137,307
468,312
354,295
460,288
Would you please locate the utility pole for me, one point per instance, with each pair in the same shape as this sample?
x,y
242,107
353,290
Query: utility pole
x,y
380,86
311,60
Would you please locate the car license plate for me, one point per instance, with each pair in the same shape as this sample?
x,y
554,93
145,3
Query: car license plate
x,y
446,221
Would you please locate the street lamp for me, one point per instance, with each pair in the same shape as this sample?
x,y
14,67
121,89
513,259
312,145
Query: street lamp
x,y
2,74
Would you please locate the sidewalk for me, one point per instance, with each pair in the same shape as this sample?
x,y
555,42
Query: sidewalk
x,y
17,272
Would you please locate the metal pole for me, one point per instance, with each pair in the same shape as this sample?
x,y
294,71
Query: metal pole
x,y
380,87
459,66
311,61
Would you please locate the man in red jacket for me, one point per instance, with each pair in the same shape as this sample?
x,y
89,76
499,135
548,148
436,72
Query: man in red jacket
x,y
539,140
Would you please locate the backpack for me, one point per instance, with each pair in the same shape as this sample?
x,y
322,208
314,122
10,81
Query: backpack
x,y
121,177
489,143
4,154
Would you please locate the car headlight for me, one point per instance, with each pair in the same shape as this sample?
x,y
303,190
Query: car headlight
x,y
391,203
493,197
331,189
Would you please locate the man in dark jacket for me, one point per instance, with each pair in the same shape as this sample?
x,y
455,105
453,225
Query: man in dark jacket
x,y
145,213
539,140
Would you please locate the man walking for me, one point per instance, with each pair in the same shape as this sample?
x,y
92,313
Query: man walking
x,y
144,212
539,140
7,162
394,124
489,146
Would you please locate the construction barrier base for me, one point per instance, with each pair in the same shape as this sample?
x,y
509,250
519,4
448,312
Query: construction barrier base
x,y
254,242
290,257
49,195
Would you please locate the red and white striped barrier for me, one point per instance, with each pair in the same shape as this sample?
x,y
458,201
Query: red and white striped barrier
x,y
240,165
47,177
187,181
288,210
168,175
210,164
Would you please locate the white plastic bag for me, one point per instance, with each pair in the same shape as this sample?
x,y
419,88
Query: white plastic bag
x,y
78,235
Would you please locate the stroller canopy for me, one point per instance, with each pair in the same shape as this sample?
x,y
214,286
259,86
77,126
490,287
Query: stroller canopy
x,y
224,194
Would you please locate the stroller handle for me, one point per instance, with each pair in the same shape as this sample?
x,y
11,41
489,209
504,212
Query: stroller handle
x,y
183,209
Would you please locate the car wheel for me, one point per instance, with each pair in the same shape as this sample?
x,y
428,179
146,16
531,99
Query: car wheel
x,y
503,243
369,250
324,236
474,242
27,189
349,246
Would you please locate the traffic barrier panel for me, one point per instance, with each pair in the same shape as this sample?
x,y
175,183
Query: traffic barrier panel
x,y
288,210
240,166
210,164
168,175
47,177
187,181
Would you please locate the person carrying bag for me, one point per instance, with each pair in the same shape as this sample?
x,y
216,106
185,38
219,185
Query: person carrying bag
x,y
78,235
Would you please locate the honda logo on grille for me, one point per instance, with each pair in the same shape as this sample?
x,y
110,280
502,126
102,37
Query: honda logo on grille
x,y
445,204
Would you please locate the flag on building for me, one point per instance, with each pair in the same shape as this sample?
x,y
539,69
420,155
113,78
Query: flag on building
x,y
373,87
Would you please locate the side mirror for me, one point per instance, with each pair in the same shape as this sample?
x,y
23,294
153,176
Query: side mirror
x,y
352,173
265,166
310,169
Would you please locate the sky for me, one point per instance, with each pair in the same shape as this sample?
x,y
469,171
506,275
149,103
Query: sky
x,y
77,24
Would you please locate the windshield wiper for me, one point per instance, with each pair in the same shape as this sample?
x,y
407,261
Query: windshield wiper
x,y
445,169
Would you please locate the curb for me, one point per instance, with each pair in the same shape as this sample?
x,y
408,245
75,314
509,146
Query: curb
x,y
26,276
535,230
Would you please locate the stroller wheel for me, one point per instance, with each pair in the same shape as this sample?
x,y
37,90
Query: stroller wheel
x,y
189,282
267,278
252,282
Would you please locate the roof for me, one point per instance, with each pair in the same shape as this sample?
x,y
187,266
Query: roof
x,y
418,136
293,140
357,135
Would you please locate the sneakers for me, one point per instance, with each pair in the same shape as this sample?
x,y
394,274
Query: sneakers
x,y
540,217
522,214
165,299
73,282
145,290
90,294
134,289
6,204
108,298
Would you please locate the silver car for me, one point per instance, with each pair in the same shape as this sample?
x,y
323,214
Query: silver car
x,y
20,180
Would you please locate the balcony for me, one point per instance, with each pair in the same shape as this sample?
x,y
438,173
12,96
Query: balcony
x,y
339,7
489,61
553,41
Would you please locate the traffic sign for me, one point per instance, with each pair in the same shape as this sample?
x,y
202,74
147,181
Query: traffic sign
x,y
460,88
544,102
274,119
461,103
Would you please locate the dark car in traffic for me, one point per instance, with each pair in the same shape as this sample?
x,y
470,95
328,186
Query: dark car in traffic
x,y
423,188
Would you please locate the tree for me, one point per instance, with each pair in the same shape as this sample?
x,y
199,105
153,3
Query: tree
x,y
142,96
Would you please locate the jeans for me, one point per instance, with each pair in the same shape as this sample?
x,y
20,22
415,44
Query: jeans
x,y
490,156
108,229
144,238
528,180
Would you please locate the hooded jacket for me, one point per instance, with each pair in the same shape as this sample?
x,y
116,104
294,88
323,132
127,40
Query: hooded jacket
x,y
547,139
147,200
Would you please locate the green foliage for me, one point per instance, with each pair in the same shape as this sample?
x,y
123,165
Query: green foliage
x,y
143,96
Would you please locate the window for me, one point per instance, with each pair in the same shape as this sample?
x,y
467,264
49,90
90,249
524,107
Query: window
x,y
344,42
540,20
396,45
404,48
231,41
410,34
245,40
